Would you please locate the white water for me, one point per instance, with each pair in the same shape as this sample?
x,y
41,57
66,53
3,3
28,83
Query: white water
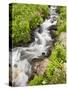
x,y
22,56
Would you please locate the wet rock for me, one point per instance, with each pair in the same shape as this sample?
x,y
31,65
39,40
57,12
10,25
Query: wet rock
x,y
40,66
53,27
52,33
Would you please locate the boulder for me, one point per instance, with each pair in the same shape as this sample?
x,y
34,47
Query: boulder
x,y
39,67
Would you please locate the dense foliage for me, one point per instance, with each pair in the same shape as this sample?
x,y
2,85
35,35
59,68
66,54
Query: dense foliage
x,y
23,19
61,25
55,66
58,53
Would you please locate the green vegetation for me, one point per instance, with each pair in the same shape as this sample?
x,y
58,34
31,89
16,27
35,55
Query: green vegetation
x,y
36,20
55,67
58,53
23,19
61,25
37,80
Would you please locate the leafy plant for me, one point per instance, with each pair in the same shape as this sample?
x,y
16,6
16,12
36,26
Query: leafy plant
x,y
57,58
58,53
37,80
35,22
24,18
61,24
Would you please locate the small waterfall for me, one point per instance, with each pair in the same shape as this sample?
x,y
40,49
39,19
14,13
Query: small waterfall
x,y
20,57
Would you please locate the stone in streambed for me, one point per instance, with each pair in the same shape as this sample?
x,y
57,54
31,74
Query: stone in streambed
x,y
40,66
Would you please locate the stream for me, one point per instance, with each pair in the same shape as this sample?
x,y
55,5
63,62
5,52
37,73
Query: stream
x,y
20,58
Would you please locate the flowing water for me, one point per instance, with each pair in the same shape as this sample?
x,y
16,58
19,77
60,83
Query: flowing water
x,y
20,57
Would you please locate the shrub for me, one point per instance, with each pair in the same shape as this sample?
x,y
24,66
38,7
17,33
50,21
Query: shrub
x,y
61,25
20,32
62,12
35,21
23,19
